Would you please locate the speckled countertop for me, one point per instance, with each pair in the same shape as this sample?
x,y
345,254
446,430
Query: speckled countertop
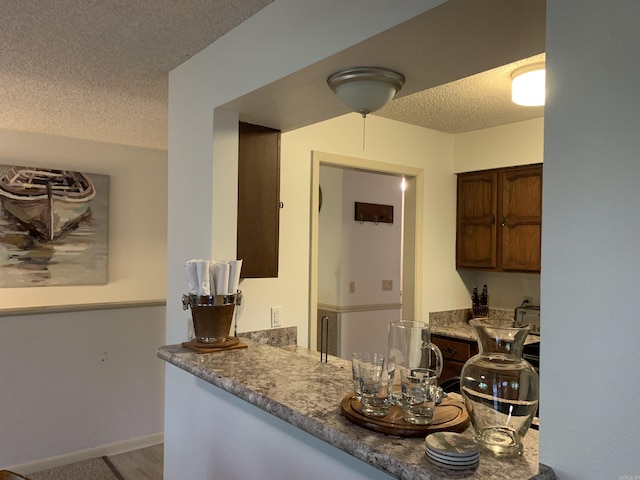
x,y
455,324
289,393
466,332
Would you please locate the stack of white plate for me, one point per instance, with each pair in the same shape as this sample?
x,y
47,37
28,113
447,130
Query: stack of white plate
x,y
454,451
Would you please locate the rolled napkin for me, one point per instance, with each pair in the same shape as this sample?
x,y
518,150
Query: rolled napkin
x,y
191,271
220,278
204,285
234,275
206,277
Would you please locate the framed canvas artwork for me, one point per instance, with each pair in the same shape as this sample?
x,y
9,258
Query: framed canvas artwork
x,y
53,227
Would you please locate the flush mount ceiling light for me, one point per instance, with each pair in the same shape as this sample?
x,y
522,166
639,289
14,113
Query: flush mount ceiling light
x,y
365,89
527,85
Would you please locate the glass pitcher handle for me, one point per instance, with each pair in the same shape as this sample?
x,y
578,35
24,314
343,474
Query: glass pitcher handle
x,y
434,355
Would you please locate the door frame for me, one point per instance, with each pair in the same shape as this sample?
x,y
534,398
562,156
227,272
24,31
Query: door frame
x,y
417,176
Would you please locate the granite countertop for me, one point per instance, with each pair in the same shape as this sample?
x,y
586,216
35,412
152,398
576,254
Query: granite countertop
x,y
283,382
464,331
455,324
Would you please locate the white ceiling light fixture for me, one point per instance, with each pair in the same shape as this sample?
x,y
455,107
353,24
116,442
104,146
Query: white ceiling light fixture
x,y
365,89
528,85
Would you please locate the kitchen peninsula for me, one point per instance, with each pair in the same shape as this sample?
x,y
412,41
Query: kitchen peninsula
x,y
297,389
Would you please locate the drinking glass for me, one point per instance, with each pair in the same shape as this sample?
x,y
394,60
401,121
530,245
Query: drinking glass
x,y
374,385
419,387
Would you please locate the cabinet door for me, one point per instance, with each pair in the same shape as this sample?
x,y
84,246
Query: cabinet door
x,y
258,200
521,219
476,220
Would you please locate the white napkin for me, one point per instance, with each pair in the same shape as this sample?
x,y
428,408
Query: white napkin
x,y
204,285
192,276
234,275
220,278
206,277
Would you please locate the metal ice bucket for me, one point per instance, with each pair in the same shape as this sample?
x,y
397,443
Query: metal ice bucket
x,y
212,315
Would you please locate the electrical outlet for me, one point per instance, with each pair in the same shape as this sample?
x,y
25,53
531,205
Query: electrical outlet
x,y
352,287
526,300
275,316
387,285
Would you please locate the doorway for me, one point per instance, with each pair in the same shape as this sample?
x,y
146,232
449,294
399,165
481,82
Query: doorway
x,y
411,269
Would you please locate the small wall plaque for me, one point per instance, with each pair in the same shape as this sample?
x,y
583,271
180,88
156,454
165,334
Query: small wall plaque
x,y
372,212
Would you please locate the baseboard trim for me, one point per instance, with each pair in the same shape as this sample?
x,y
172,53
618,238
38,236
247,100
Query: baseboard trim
x,y
101,451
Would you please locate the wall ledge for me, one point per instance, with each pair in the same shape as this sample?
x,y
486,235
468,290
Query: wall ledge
x,y
359,308
47,309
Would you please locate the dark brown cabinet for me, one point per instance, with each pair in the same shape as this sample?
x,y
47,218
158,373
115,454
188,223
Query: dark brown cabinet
x,y
455,352
258,200
499,219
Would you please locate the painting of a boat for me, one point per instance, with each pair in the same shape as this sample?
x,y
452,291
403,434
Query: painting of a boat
x,y
47,202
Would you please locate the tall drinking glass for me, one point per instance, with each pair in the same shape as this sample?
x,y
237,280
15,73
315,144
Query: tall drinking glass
x,y
374,385
410,347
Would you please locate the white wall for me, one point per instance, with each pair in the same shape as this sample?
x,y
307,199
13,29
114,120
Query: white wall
x,y
370,253
254,444
79,382
590,258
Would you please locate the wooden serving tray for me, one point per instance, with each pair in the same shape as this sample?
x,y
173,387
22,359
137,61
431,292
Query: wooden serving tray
x,y
450,416
229,343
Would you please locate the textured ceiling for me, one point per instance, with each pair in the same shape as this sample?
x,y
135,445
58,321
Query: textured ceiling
x,y
98,70
478,101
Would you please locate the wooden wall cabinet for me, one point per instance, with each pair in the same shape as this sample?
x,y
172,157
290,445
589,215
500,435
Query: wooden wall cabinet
x,y
258,200
499,219
455,352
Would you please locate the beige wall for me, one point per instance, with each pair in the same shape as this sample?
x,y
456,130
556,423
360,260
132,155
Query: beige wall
x,y
390,142
137,216
513,144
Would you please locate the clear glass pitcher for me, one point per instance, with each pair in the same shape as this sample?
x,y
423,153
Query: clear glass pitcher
x,y
410,347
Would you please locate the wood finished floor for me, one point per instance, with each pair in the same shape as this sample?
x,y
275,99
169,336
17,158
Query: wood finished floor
x,y
142,464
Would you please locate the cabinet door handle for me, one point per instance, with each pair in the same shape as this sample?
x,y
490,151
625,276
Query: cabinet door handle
x,y
504,222
449,350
